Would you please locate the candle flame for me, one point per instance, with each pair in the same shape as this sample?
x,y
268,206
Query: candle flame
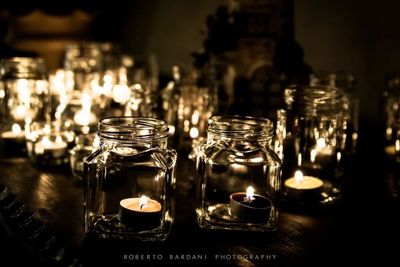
x,y
83,116
194,133
143,202
397,145
46,142
338,156
298,176
16,129
313,155
250,193
321,144
299,159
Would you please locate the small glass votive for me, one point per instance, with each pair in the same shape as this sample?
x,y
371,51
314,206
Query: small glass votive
x,y
238,176
48,143
129,181
85,144
312,153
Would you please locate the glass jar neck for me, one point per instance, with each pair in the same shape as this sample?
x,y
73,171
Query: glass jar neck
x,y
309,101
128,131
343,80
240,128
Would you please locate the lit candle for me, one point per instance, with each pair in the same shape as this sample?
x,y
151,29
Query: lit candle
x,y
143,213
322,148
302,187
15,133
393,149
85,116
54,149
249,207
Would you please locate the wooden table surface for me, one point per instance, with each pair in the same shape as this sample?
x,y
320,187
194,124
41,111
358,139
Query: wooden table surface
x,y
361,228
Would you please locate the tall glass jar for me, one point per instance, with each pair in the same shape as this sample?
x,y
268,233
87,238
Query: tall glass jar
x,y
313,146
129,180
391,99
239,175
23,99
346,82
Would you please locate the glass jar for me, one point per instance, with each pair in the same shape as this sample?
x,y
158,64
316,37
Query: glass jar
x,y
188,102
313,146
85,144
239,175
23,99
346,82
391,96
48,143
129,181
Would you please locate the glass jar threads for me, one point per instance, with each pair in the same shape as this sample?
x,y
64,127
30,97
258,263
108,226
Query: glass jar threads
x,y
23,99
129,181
239,175
313,145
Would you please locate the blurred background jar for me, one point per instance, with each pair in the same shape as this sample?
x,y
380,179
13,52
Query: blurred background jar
x,y
188,102
347,83
313,146
391,96
48,143
85,144
23,99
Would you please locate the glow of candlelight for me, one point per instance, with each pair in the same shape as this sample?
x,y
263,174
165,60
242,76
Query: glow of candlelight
x,y
299,177
250,193
143,202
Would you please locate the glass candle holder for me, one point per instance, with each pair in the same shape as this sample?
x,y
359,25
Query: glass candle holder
x,y
346,82
312,172
85,144
392,118
238,175
23,99
49,143
129,181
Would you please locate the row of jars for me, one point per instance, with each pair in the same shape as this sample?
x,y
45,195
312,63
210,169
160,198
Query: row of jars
x,y
130,180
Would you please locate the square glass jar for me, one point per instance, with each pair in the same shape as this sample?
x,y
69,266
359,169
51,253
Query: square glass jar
x,y
238,176
129,181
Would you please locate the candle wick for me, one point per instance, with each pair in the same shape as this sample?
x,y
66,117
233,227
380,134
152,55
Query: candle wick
x,y
141,206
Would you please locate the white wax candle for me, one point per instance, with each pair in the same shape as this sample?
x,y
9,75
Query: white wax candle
x,y
302,187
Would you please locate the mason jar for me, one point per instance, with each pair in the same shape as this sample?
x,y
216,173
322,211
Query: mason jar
x,y
129,180
347,84
313,146
23,99
238,175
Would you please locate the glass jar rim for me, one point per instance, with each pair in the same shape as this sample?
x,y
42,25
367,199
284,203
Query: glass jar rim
x,y
241,126
23,68
126,128
319,94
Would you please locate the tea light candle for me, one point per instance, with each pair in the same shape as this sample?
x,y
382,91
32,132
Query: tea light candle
x,y
15,133
303,187
249,207
56,149
143,212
